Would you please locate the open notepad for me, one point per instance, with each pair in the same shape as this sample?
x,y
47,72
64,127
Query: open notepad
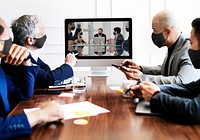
x,y
78,110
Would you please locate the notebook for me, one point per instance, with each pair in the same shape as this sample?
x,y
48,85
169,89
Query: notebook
x,y
143,107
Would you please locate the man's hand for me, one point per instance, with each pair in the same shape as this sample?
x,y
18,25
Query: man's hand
x,y
71,59
49,112
132,74
135,91
16,55
148,89
130,64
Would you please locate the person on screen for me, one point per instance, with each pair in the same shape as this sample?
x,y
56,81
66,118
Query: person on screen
x,y
179,102
125,44
119,38
28,31
20,124
176,64
71,27
78,41
101,34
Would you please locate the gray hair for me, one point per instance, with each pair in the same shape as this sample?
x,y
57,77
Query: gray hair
x,y
25,26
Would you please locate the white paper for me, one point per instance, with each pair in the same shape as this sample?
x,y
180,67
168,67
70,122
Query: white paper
x,y
78,110
65,94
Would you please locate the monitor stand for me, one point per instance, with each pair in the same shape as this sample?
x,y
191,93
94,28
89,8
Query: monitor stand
x,y
98,71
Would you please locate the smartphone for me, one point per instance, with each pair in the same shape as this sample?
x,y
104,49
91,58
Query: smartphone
x,y
122,67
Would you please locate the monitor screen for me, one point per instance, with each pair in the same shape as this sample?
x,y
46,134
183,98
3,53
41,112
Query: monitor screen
x,y
99,41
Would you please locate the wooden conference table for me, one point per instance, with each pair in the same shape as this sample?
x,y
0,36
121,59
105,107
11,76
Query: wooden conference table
x,y
121,123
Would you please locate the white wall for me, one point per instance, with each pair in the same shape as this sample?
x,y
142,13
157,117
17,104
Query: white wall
x,y
54,12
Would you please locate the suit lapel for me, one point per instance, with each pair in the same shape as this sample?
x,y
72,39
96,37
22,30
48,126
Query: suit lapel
x,y
178,46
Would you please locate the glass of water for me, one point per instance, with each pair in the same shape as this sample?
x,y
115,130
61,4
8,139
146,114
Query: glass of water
x,y
79,84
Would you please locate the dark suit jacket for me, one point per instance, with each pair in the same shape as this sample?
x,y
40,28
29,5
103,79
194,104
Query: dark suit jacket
x,y
20,82
45,77
180,102
119,40
13,126
13,90
103,35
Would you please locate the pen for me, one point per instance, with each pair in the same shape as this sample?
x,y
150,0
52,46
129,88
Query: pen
x,y
128,90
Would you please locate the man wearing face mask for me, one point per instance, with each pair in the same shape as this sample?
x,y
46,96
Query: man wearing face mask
x,y
20,124
119,38
180,102
125,44
15,56
78,41
176,64
29,32
71,27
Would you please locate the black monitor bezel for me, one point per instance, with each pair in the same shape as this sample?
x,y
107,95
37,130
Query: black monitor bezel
x,y
67,20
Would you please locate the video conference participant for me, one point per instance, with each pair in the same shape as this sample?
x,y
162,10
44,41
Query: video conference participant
x,y
78,41
28,31
71,27
119,38
176,64
101,34
125,43
179,102
11,126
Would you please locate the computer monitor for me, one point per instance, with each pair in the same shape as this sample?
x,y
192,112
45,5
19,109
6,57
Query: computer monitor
x,y
96,45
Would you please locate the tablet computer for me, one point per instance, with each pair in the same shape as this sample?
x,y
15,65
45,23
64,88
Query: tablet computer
x,y
143,107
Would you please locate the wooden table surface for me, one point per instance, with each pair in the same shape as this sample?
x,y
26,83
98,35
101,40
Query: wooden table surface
x,y
121,123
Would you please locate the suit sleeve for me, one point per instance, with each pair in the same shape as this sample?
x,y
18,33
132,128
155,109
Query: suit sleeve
x,y
13,126
22,82
47,77
179,102
180,67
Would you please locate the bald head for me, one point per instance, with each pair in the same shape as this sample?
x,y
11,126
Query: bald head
x,y
164,19
164,23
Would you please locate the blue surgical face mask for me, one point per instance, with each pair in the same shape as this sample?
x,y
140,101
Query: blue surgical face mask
x,y
158,39
7,46
195,58
40,41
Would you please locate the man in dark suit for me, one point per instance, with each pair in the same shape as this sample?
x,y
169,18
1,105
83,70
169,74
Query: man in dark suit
x,y
119,38
11,126
101,34
28,31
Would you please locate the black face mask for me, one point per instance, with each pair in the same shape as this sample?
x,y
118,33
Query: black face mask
x,y
72,28
195,58
40,41
158,39
114,33
7,46
81,33
127,29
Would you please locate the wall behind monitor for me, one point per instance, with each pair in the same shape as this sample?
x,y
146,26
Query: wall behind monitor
x,y
53,14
